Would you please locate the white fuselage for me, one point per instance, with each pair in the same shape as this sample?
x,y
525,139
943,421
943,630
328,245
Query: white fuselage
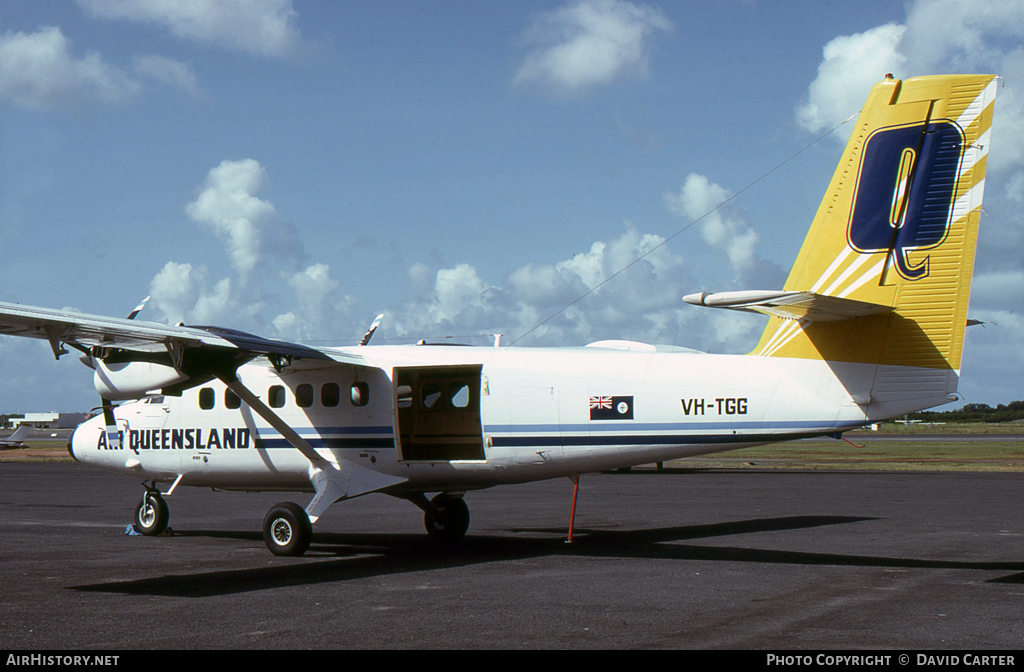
x,y
455,418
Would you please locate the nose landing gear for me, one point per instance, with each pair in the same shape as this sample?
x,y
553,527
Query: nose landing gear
x,y
151,515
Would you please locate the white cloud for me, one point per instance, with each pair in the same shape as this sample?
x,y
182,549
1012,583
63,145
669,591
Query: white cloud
x,y
229,206
263,27
38,71
168,71
697,197
941,33
318,304
851,65
644,303
587,268
273,290
726,229
589,43
314,285
295,299
422,277
456,289
939,36
174,291
182,293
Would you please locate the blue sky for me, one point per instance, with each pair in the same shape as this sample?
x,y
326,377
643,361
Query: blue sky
x,y
293,168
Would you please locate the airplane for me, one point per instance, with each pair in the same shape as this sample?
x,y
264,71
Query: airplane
x,y
868,326
16,439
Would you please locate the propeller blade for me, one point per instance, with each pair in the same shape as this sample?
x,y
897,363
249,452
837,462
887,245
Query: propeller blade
x,y
138,308
113,437
373,327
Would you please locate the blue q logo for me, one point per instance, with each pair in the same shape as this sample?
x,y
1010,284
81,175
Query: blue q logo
x,y
904,198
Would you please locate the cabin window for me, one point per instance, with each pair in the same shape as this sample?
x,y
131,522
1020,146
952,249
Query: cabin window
x,y
304,395
232,400
430,395
359,394
458,395
404,393
330,394
276,395
207,398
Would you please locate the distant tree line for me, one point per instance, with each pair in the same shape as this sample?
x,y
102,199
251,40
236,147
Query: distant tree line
x,y
5,418
975,413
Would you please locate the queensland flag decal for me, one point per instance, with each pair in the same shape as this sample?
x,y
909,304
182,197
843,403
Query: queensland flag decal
x,y
904,200
611,408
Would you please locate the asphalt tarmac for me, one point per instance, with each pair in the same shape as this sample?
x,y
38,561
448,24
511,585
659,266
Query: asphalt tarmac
x,y
779,561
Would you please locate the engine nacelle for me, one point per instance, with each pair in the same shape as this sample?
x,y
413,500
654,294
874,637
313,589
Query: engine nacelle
x,y
131,380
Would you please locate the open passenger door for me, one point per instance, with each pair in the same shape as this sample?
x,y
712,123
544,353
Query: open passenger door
x,y
437,413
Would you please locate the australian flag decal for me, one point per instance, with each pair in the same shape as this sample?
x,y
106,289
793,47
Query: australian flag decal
x,y
611,408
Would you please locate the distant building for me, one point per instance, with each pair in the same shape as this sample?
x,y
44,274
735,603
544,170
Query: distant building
x,y
52,420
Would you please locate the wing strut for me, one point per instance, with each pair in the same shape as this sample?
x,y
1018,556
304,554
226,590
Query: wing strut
x,y
332,481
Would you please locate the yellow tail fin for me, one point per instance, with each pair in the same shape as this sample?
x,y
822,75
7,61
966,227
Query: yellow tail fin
x,y
898,227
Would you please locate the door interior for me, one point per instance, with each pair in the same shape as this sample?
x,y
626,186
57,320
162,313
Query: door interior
x,y
438,413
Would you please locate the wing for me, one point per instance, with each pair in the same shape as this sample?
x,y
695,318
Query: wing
x,y
141,340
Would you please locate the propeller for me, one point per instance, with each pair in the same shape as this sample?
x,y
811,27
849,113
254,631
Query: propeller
x,y
373,327
138,308
89,357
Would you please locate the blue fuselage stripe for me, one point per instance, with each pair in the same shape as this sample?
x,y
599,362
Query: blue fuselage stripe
x,y
647,439
594,434
634,427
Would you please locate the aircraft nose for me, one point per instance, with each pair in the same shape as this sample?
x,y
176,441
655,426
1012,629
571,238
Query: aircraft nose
x,y
71,444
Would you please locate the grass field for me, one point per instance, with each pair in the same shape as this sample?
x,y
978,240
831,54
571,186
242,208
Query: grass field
x,y
38,451
973,447
876,455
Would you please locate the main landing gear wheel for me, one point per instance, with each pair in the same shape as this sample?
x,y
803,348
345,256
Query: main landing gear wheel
x,y
453,521
151,514
287,530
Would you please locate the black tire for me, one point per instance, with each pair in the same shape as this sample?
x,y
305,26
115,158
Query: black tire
x,y
453,522
287,530
151,515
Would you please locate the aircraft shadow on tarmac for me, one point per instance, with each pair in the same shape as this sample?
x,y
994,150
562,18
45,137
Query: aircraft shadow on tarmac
x,y
359,556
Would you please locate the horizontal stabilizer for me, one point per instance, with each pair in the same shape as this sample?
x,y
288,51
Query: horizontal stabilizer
x,y
806,306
